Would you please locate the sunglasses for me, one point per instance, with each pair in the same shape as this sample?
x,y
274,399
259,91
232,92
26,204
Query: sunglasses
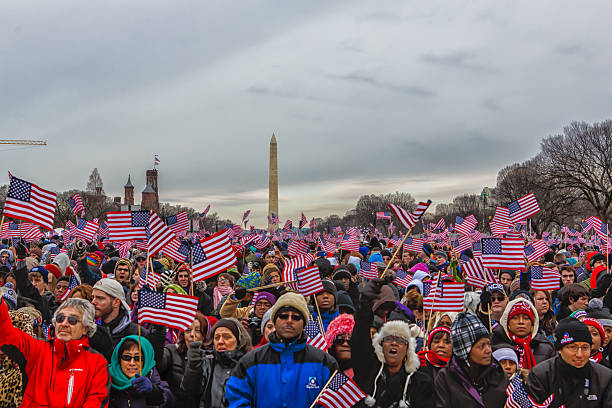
x,y
498,298
123,270
71,319
128,358
286,316
395,339
338,341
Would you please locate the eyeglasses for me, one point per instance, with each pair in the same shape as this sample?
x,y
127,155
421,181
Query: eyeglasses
x,y
395,339
287,316
122,270
574,348
128,358
340,340
71,319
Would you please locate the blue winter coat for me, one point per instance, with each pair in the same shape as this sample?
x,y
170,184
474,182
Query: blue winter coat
x,y
279,375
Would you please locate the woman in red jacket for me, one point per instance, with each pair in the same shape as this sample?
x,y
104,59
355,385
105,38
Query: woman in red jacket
x,y
64,372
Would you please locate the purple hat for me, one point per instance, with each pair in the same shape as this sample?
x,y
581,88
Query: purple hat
x,y
266,295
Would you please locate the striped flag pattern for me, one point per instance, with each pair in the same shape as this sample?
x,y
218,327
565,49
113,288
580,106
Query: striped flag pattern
x,y
477,275
523,208
342,392
28,202
413,244
445,297
518,397
211,256
504,253
167,309
309,280
349,243
84,229
535,250
368,270
314,337
163,239
402,278
409,219
501,224
465,225
297,248
76,205
290,265
544,278
127,225
73,283
178,223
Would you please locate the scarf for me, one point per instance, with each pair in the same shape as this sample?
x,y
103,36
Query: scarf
x,y
219,292
432,357
119,380
527,359
596,358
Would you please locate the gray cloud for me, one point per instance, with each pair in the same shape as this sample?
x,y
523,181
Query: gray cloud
x,y
376,83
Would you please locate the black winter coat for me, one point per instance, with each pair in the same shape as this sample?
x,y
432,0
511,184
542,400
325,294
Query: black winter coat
x,y
171,369
555,376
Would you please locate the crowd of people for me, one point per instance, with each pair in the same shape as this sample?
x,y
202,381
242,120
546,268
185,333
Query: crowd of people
x,y
70,334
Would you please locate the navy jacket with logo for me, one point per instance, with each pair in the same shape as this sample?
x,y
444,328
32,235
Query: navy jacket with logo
x,y
280,375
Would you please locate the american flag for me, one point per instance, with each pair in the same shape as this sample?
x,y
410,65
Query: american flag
x,y
464,242
26,201
161,238
349,243
233,230
523,208
368,270
245,215
178,223
211,256
383,215
544,278
124,249
445,297
288,226
309,280
602,231
314,336
477,275
203,215
477,248
148,278
440,225
297,248
504,253
290,265
342,392
465,225
33,234
142,245
103,230
303,221
518,397
500,224
327,245
84,229
402,278
246,240
274,218
73,283
66,237
535,250
127,225
76,204
409,219
168,309
413,244
15,230
590,223
262,242
353,231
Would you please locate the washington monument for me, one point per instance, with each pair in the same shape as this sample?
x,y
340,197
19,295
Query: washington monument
x,y
273,180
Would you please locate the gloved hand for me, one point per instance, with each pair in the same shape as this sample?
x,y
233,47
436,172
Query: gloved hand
x,y
240,293
195,354
21,250
371,291
142,385
80,248
485,301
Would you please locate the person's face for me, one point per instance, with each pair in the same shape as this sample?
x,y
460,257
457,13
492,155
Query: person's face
x,y
509,367
4,258
608,331
386,259
567,277
520,325
183,278
505,279
373,331
69,324
394,350
269,258
193,333
37,281
576,354
268,328
60,288
134,295
275,277
481,352
342,348
141,262
170,290
597,263
122,273
325,300
345,281
131,367
289,324
580,303
261,307
224,339
498,302
223,281
596,338
10,279
441,345
440,259
541,303
445,321
406,258
103,303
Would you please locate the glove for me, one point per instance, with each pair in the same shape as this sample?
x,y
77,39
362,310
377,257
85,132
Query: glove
x,y
240,293
371,291
195,354
142,385
79,248
485,301
21,250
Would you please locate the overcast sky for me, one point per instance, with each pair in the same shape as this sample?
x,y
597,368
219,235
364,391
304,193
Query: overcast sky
x,y
431,98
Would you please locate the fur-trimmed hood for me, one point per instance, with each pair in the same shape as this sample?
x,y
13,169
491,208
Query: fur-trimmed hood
x,y
504,319
400,329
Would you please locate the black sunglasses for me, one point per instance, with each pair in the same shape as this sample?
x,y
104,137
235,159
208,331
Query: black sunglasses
x,y
286,316
338,341
71,319
127,358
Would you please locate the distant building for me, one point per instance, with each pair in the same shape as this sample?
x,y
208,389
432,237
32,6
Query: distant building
x,y
150,194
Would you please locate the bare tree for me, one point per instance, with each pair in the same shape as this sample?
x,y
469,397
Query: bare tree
x,y
94,184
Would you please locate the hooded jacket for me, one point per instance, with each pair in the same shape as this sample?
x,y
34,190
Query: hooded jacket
x,y
541,347
61,373
371,374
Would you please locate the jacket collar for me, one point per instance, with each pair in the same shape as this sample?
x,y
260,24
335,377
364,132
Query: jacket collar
x,y
283,347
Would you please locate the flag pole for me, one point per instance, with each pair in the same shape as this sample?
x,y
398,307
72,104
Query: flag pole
x,y
401,245
270,286
2,222
433,302
323,389
319,320
74,243
139,351
191,269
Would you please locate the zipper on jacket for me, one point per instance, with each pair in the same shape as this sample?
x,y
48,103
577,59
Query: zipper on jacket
x,y
70,388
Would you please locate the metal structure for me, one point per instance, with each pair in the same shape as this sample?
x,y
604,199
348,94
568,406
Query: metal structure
x,y
23,142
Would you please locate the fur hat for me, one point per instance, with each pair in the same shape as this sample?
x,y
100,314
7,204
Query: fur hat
x,y
343,324
294,300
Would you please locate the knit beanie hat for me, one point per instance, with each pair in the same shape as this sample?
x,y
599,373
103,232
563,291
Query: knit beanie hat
x,y
589,321
597,311
571,330
521,308
267,296
9,295
506,353
265,319
439,329
294,300
342,324
466,330
330,287
45,272
229,324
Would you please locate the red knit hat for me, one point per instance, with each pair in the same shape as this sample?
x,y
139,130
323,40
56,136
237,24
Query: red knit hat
x,y
439,329
589,321
521,308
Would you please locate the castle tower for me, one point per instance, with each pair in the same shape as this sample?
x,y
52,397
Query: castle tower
x,y
128,195
273,179
152,181
149,200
